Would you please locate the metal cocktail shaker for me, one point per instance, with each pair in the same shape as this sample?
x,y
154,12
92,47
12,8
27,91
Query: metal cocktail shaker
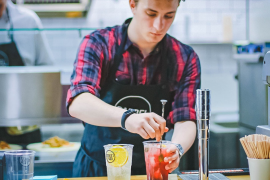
x,y
203,113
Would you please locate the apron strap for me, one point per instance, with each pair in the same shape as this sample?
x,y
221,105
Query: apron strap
x,y
120,49
10,31
164,61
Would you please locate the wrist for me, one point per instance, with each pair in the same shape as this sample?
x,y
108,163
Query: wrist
x,y
125,115
180,149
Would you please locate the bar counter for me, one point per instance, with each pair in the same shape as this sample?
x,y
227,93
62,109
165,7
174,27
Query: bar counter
x,y
171,177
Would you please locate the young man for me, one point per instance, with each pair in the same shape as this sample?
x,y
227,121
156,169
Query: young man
x,y
134,66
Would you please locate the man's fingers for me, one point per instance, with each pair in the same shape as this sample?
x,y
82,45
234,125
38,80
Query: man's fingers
x,y
161,121
156,128
172,149
172,166
149,125
172,157
149,130
143,134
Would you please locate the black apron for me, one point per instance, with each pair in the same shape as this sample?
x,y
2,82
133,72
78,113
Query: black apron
x,y
90,160
9,56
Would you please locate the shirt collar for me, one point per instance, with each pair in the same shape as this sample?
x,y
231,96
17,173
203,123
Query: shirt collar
x,y
128,44
156,49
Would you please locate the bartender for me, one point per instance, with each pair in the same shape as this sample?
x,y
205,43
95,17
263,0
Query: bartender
x,y
134,66
21,48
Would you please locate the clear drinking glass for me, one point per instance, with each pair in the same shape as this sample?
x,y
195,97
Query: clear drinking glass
x,y
154,153
118,161
20,164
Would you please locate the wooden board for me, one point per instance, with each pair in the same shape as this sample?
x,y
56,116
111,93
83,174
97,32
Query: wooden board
x,y
245,177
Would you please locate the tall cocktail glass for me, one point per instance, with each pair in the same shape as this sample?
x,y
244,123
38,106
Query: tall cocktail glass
x,y
118,161
154,153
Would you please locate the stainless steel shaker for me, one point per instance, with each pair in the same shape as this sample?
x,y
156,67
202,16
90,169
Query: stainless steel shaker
x,y
203,113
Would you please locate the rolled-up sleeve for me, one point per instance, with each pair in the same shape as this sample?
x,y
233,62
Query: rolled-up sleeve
x,y
87,69
183,106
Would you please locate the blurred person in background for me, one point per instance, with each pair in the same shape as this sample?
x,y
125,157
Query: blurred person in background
x,y
21,48
136,59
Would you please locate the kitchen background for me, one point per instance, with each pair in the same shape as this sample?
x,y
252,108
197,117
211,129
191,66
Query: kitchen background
x,y
209,26
212,28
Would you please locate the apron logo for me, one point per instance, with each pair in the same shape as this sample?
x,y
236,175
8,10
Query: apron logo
x,y
110,156
143,104
25,160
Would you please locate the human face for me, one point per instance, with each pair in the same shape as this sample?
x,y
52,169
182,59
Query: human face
x,y
153,18
2,7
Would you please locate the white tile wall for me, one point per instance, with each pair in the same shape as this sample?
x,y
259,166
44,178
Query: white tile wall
x,y
218,72
196,21
238,4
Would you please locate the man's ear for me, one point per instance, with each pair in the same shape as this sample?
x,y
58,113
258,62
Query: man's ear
x,y
132,6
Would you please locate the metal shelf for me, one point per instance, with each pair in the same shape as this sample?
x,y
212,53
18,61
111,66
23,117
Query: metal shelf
x,y
34,96
37,121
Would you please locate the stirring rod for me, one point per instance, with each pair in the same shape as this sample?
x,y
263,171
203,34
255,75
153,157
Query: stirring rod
x,y
163,101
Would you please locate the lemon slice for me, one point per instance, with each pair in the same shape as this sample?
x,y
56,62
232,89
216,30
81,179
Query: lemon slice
x,y
163,145
117,156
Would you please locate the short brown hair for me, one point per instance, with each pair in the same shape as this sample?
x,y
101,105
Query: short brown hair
x,y
136,1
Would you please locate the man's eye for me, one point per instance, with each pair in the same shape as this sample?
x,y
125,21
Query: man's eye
x,y
152,15
168,17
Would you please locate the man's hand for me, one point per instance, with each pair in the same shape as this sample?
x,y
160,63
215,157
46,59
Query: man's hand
x,y
147,125
173,158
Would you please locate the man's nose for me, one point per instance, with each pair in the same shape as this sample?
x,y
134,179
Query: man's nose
x,y
158,23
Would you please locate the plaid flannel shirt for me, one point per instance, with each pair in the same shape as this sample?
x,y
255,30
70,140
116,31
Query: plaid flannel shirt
x,y
95,57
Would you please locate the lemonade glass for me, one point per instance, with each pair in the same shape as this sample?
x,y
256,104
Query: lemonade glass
x,y
154,153
118,161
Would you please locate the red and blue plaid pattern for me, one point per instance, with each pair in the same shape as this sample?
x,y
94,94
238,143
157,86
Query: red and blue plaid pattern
x,y
95,58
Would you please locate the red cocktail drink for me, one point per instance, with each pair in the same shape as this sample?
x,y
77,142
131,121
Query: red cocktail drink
x,y
154,153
